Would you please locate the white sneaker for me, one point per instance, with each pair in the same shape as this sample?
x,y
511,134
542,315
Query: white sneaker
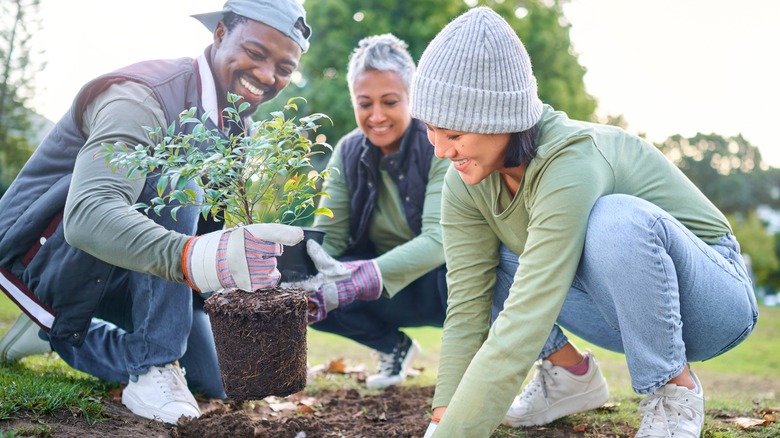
x,y
554,393
22,340
394,366
161,394
672,411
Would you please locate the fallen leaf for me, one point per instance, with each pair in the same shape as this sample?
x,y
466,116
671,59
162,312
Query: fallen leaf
x,y
316,370
580,428
747,423
610,406
337,366
283,406
304,409
115,394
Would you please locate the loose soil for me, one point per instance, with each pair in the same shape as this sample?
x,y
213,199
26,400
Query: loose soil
x,y
395,412
261,341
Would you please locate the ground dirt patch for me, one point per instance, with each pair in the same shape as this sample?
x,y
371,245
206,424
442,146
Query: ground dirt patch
x,y
394,412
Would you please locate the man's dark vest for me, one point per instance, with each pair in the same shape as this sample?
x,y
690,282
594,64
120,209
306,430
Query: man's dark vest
x,y
409,168
33,252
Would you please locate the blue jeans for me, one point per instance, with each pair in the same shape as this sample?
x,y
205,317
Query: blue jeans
x,y
649,288
145,321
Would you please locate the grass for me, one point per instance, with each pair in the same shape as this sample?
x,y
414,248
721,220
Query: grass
x,y
39,387
737,383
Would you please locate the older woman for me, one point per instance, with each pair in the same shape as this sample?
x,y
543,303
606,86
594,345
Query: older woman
x,y
386,202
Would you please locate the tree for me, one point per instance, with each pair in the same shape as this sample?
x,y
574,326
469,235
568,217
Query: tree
x,y
18,24
338,25
729,170
544,31
772,282
755,241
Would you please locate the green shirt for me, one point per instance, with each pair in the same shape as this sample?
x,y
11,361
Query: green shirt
x,y
482,367
403,257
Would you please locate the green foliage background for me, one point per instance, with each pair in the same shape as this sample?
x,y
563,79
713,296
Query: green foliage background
x,y
18,66
338,25
729,170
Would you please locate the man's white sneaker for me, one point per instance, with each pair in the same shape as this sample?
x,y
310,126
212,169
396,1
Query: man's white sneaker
x,y
672,411
554,392
161,394
394,366
22,340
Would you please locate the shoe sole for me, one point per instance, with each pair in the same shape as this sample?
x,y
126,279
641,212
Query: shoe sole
x,y
13,335
572,405
138,407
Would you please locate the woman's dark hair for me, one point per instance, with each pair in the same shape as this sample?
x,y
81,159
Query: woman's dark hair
x,y
231,20
522,147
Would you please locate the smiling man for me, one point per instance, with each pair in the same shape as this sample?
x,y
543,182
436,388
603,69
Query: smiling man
x,y
108,286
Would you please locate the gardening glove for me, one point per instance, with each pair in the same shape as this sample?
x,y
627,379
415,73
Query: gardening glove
x,y
239,258
338,283
431,428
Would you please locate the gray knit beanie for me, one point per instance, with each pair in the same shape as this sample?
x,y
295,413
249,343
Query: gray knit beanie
x,y
476,76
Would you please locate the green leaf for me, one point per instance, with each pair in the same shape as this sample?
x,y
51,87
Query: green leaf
x,y
162,184
324,211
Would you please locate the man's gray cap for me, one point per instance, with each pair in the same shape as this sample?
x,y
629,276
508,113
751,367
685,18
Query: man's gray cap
x,y
286,16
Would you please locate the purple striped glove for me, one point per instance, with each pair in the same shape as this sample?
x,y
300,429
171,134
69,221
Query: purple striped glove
x,y
338,283
364,283
240,258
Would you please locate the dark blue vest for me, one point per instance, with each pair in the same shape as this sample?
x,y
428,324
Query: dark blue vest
x,y
68,280
409,168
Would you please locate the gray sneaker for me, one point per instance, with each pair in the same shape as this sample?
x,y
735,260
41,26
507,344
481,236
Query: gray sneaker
x,y
394,366
22,340
672,411
554,393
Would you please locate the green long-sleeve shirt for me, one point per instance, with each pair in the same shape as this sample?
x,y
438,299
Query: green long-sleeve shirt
x,y
403,257
482,367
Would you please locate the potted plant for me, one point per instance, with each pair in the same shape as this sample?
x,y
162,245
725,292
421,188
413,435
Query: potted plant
x,y
265,176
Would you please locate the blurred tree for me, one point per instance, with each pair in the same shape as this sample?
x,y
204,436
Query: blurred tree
x,y
18,24
755,241
544,31
729,170
772,282
338,25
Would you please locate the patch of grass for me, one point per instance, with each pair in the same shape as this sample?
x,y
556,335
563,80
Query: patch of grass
x,y
40,386
41,431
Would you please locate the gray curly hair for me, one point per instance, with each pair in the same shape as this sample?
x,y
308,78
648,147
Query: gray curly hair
x,y
384,53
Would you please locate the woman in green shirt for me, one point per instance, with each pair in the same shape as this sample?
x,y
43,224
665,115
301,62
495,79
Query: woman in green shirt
x,y
612,242
386,203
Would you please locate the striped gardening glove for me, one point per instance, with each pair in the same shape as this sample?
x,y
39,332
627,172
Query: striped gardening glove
x,y
338,283
239,258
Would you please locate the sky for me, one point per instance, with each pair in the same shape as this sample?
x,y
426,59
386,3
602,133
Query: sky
x,y
668,66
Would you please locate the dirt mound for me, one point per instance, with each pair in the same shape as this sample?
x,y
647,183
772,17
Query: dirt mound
x,y
395,412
